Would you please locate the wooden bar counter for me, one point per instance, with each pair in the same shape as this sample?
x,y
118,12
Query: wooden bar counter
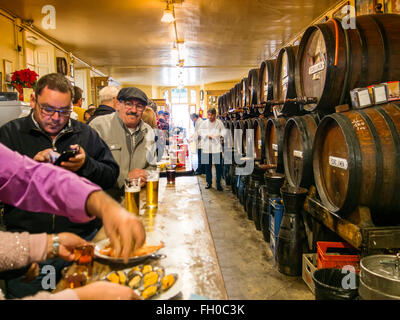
x,y
181,223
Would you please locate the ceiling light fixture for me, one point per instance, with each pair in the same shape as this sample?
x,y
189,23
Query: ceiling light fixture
x,y
168,15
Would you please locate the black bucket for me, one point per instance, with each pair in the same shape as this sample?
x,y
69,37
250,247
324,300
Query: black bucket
x,y
328,285
293,198
274,183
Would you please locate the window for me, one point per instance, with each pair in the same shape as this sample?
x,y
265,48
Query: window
x,y
179,95
193,96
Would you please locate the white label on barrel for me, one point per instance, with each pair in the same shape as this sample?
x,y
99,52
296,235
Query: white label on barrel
x,y
364,99
316,68
298,154
338,162
274,147
259,144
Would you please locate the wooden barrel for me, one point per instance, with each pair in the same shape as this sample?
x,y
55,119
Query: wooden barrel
x,y
266,81
253,85
238,143
227,101
243,90
259,125
232,102
366,55
238,89
356,162
274,132
248,125
284,80
220,105
297,150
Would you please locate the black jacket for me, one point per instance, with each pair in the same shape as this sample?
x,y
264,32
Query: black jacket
x,y
101,111
23,136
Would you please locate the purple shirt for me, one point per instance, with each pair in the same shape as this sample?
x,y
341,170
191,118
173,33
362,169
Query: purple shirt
x,y
43,187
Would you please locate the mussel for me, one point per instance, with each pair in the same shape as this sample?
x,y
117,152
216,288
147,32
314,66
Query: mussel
x,y
118,277
168,281
147,268
135,280
151,291
151,278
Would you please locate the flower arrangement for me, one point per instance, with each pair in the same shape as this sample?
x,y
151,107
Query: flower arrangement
x,y
25,78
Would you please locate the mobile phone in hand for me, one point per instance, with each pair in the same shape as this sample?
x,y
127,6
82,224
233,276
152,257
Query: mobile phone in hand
x,y
65,156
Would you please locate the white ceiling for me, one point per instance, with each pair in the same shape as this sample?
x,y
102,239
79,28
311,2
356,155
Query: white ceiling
x,y
223,39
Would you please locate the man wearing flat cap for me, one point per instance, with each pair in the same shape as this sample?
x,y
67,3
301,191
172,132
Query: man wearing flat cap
x,y
130,139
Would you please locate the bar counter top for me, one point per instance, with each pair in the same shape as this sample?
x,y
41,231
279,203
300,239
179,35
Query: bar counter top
x,y
180,221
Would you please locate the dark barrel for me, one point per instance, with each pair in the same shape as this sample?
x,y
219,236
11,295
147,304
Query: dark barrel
x,y
238,142
274,133
254,92
366,55
297,150
356,161
264,213
238,94
220,105
284,80
232,102
266,80
248,125
243,92
259,125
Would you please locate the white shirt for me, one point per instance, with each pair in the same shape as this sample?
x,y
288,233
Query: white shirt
x,y
216,131
196,135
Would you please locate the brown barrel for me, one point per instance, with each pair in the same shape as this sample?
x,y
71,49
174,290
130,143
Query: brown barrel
x,y
356,161
248,125
243,93
366,55
220,105
297,150
274,133
238,89
232,102
253,81
266,81
284,80
239,125
228,101
259,125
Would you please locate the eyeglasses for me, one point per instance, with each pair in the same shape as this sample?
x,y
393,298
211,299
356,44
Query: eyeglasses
x,y
50,111
137,105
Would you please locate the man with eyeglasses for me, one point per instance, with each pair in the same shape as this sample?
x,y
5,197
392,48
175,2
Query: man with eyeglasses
x,y
43,136
130,139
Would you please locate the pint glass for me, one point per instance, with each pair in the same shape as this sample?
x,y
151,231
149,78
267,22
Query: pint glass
x,y
152,189
132,195
171,173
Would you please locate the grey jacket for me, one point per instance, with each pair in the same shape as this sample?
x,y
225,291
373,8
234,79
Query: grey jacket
x,y
131,150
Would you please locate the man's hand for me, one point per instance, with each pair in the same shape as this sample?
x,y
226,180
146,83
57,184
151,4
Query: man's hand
x,y
46,155
125,230
104,290
68,242
138,173
75,163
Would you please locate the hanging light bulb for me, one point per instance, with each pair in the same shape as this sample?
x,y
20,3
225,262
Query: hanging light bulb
x,y
168,15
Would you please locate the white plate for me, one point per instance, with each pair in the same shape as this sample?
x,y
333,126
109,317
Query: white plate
x,y
103,243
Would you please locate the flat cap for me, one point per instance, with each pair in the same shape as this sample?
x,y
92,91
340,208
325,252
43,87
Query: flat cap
x,y
130,93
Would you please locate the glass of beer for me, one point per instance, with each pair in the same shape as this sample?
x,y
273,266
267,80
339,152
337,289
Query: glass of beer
x,y
171,173
132,195
152,189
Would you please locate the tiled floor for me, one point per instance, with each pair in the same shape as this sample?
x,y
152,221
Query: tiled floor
x,y
246,261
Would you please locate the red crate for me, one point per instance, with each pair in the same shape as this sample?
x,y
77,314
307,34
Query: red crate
x,y
326,260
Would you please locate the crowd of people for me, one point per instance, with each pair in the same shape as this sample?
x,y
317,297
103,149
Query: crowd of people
x,y
50,207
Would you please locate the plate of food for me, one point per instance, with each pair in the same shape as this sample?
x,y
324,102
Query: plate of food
x,y
149,282
104,251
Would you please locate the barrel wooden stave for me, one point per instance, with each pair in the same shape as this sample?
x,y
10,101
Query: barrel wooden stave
x,y
266,80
